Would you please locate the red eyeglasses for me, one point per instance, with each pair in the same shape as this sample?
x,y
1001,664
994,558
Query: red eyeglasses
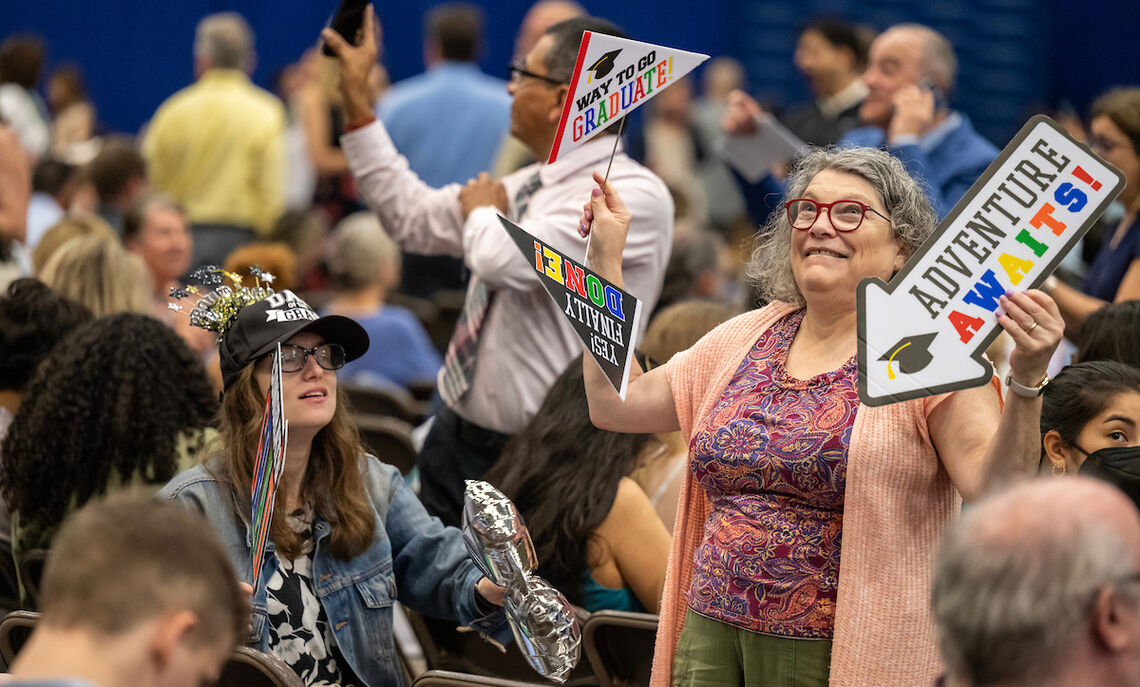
x,y
845,215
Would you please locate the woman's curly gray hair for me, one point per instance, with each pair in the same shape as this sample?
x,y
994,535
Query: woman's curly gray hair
x,y
912,218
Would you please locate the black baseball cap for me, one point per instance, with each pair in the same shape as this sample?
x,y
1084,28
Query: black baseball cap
x,y
258,328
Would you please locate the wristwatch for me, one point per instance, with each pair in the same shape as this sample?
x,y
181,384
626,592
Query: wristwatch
x,y
1026,391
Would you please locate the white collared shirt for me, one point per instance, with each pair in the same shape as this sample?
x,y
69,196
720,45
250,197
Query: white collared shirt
x,y
526,341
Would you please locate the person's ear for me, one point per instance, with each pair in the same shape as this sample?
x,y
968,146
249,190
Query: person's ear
x,y
560,100
172,630
1056,450
1110,622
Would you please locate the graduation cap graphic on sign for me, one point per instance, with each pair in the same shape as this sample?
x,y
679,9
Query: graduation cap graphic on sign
x,y
602,315
604,64
911,354
613,77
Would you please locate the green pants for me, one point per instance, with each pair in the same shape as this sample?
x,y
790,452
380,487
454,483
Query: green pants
x,y
715,654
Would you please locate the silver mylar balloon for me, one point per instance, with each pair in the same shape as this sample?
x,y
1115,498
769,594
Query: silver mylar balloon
x,y
545,627
495,535
540,617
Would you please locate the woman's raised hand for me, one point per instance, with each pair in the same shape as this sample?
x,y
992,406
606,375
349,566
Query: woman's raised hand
x,y
1035,325
606,219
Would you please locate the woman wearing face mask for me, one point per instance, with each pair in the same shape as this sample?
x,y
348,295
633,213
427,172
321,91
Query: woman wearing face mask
x,y
348,537
1090,423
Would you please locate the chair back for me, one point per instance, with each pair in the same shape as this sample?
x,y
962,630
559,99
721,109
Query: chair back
x,y
251,668
447,678
447,649
619,646
15,629
383,401
389,439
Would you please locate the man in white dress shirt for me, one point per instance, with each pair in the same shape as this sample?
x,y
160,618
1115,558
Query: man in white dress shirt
x,y
512,340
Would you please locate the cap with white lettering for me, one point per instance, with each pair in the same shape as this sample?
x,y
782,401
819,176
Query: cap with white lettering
x,y
258,327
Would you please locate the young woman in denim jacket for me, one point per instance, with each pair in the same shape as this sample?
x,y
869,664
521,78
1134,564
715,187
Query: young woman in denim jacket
x,y
348,537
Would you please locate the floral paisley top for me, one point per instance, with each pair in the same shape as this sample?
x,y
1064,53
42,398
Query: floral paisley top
x,y
772,458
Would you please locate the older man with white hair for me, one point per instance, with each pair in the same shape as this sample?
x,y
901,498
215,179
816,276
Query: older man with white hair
x,y
1040,585
217,146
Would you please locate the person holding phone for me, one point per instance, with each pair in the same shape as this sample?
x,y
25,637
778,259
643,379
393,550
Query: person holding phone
x,y
911,69
512,339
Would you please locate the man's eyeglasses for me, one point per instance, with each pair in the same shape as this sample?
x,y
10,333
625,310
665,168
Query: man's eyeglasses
x,y
329,356
845,215
517,72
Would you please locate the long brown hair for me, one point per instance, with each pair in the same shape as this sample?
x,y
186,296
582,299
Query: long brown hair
x,y
333,481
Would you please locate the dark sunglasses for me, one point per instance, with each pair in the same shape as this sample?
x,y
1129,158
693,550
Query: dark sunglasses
x,y
330,356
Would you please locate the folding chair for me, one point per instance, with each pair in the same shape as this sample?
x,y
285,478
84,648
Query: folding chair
x,y
447,678
447,649
389,439
619,646
385,401
251,668
15,629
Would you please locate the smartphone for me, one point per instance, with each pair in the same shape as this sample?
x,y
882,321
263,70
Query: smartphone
x,y
347,21
940,103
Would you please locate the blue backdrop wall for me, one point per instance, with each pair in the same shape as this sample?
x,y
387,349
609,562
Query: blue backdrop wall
x,y
1016,54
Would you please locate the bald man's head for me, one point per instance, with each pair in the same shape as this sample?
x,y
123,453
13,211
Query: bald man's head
x,y
540,17
1016,578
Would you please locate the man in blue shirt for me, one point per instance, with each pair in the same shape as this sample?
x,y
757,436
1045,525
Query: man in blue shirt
x,y
450,120
449,123
911,69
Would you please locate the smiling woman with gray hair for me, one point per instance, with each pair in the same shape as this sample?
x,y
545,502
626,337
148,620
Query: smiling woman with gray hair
x,y
786,462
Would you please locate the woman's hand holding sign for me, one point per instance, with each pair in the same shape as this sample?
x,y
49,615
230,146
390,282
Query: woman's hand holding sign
x,y
607,219
1034,323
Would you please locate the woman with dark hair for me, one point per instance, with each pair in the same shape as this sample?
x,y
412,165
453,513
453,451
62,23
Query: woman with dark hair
x,y
122,402
1112,333
33,320
1114,276
348,537
1088,407
597,537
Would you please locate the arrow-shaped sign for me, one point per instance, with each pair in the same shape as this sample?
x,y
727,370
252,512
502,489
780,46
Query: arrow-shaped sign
x,y
924,333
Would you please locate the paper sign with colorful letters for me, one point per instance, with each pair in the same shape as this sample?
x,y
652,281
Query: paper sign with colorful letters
x,y
604,316
612,77
925,332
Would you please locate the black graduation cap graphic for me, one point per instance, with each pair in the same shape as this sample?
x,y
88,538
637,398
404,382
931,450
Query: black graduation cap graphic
x,y
604,65
912,353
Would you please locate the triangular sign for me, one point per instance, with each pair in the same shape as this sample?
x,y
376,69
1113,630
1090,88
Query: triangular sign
x,y
604,316
613,77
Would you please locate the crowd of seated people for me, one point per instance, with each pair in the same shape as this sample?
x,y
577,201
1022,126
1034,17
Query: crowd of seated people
x,y
777,529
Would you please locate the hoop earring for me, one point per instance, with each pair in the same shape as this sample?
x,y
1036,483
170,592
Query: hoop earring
x,y
1062,471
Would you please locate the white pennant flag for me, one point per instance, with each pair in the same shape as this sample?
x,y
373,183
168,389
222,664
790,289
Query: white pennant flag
x,y
613,77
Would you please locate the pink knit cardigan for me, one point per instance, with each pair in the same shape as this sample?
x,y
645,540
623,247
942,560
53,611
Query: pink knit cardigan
x,y
898,501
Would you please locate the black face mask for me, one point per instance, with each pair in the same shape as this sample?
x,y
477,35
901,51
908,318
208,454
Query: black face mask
x,y
1119,465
